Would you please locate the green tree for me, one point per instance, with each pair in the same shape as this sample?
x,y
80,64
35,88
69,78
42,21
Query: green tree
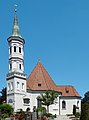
x,y
48,98
3,96
86,98
85,112
6,109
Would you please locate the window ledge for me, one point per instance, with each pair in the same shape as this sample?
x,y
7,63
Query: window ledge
x,y
23,90
18,90
63,108
55,109
26,104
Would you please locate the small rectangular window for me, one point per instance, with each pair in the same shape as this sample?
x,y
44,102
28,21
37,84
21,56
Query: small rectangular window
x,y
14,48
67,90
26,100
39,84
19,49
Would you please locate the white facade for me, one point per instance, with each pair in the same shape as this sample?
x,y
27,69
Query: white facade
x,y
69,102
16,55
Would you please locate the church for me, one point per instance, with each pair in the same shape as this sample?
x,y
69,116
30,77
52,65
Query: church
x,y
22,92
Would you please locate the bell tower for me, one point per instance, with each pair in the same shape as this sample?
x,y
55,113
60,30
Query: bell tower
x,y
16,78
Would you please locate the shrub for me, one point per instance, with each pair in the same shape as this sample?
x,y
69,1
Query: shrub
x,y
19,114
77,115
41,109
6,109
48,114
3,116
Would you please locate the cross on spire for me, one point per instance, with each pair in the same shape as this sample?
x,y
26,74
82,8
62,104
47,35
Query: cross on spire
x,y
15,8
38,59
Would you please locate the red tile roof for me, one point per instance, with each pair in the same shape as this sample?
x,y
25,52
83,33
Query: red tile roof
x,y
68,91
39,79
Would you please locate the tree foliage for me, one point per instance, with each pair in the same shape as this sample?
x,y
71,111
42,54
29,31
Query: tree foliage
x,y
85,107
86,98
3,96
48,98
85,112
6,109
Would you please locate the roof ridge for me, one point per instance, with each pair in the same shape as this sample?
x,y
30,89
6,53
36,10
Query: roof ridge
x,y
64,85
31,73
74,90
43,74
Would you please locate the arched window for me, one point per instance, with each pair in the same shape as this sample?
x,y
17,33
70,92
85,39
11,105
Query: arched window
x,y
19,49
18,85
14,48
10,101
20,66
10,66
63,104
77,103
10,49
22,86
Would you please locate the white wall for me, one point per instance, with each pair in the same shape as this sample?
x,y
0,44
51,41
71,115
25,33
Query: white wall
x,y
57,107
54,108
15,93
17,56
69,105
33,99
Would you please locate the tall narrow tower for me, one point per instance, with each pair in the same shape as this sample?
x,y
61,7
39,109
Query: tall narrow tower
x,y
16,78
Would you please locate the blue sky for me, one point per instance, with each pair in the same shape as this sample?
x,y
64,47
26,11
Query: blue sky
x,y
57,31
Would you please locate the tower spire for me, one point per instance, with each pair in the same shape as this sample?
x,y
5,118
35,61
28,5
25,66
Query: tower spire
x,y
15,28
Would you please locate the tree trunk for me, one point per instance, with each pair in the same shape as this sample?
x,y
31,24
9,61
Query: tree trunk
x,y
47,109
